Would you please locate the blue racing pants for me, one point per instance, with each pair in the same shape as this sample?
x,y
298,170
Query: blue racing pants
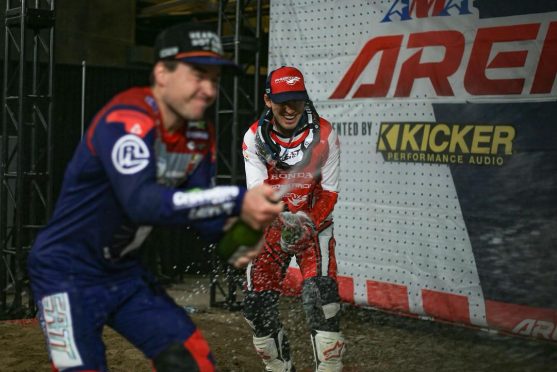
x,y
72,318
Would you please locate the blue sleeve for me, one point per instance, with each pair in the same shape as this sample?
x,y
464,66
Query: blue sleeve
x,y
129,161
204,174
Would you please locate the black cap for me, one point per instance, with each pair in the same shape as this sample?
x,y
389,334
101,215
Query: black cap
x,y
193,43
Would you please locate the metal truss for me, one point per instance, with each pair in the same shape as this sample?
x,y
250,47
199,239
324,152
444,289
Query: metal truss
x,y
26,145
239,24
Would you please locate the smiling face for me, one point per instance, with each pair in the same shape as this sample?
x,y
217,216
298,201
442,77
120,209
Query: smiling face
x,y
287,114
185,92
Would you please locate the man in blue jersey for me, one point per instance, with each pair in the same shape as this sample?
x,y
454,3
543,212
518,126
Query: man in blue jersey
x,y
148,159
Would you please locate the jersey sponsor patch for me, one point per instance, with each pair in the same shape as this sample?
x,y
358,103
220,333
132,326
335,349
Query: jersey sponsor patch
x,y
197,135
56,314
130,154
135,122
296,200
210,211
214,196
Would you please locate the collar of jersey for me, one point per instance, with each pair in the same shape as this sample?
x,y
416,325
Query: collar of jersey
x,y
174,137
285,141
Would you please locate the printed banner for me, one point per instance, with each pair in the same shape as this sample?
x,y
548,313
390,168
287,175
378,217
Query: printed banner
x,y
445,111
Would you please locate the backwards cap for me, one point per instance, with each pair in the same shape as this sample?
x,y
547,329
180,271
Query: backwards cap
x,y
286,84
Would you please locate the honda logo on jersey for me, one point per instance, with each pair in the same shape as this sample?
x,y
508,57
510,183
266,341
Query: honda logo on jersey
x,y
291,176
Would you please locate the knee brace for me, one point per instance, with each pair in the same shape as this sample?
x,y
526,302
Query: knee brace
x,y
261,312
178,358
321,303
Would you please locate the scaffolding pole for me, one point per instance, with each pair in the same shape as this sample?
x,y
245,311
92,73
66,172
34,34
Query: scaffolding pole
x,y
26,145
237,107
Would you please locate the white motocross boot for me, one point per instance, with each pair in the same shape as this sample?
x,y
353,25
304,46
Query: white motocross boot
x,y
270,350
328,349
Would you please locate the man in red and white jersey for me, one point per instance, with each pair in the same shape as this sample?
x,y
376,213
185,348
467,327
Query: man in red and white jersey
x,y
291,148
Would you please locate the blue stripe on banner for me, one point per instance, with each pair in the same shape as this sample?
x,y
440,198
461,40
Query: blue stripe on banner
x,y
510,210
506,8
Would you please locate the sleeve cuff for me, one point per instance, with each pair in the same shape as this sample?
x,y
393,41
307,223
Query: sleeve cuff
x,y
239,201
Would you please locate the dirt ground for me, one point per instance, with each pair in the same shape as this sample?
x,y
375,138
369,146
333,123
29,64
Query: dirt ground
x,y
376,342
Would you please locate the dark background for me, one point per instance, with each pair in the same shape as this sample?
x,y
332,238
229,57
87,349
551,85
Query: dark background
x,y
509,210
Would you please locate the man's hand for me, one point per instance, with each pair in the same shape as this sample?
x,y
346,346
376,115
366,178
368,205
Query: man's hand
x,y
243,258
298,232
260,207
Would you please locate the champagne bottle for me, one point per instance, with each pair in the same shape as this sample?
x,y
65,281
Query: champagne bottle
x,y
238,239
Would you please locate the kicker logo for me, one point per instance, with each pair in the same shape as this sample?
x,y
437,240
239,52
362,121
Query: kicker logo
x,y
475,144
405,10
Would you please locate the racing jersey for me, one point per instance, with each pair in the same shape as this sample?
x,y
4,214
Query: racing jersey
x,y
125,176
310,186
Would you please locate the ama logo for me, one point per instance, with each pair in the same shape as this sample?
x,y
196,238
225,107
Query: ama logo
x,y
405,10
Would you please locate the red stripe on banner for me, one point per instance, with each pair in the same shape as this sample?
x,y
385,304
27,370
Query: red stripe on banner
x,y
446,306
292,284
387,295
522,320
346,288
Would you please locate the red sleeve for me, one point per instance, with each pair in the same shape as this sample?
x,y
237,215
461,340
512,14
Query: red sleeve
x,y
326,192
324,204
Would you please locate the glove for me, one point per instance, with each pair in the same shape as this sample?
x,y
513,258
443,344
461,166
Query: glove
x,y
298,232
